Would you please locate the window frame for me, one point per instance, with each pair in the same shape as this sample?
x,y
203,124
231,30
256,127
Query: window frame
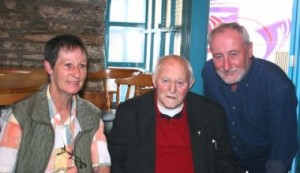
x,y
151,31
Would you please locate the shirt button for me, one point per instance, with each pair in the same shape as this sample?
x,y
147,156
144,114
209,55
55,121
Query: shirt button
x,y
233,107
233,137
233,123
235,148
199,132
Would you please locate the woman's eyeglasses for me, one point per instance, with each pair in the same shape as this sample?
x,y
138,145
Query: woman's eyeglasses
x,y
72,156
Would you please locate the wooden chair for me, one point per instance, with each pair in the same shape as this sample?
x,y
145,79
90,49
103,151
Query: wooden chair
x,y
10,96
17,83
104,99
142,84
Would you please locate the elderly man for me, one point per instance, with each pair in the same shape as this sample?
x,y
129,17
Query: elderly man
x,y
169,129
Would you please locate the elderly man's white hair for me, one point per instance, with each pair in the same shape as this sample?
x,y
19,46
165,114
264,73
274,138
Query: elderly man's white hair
x,y
185,62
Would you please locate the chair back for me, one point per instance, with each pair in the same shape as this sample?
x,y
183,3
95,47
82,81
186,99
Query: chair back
x,y
17,83
142,84
104,99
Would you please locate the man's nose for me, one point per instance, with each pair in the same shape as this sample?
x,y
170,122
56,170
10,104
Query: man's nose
x,y
173,87
227,63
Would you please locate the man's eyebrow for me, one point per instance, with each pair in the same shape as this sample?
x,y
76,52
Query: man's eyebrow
x,y
233,51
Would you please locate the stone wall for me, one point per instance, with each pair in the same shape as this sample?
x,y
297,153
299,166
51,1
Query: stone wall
x,y
25,26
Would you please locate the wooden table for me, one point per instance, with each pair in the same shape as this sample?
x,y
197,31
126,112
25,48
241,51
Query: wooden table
x,y
16,83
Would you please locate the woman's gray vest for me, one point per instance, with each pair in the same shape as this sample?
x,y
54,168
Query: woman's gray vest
x,y
38,134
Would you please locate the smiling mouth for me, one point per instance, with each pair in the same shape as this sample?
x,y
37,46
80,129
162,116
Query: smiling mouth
x,y
74,82
228,74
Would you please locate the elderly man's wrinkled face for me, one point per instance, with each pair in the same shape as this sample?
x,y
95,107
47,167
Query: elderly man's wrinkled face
x,y
231,56
172,83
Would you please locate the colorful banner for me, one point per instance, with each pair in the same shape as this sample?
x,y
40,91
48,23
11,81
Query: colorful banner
x,y
268,22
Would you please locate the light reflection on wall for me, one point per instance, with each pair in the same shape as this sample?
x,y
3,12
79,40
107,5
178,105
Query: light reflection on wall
x,y
268,22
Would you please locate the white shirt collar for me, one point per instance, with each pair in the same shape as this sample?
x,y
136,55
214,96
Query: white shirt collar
x,y
170,112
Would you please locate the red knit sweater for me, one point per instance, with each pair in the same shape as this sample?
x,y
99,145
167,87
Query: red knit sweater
x,y
173,145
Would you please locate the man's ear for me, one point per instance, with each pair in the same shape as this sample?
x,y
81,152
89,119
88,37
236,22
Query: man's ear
x,y
250,50
192,82
48,67
153,80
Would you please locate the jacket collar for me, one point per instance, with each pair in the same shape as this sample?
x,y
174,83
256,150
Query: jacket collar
x,y
40,111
